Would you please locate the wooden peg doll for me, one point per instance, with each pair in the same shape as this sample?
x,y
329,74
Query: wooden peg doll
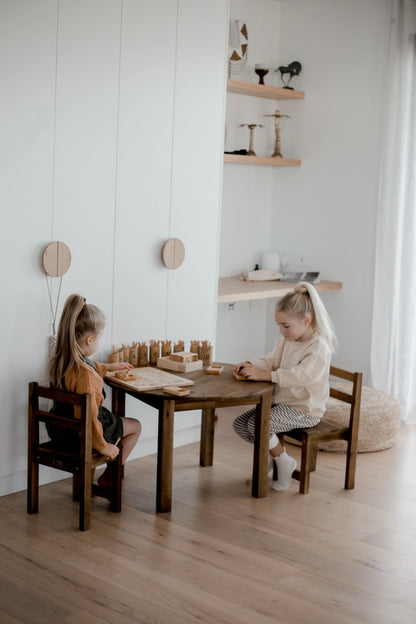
x,y
179,346
206,353
114,355
195,347
154,352
142,354
134,354
166,347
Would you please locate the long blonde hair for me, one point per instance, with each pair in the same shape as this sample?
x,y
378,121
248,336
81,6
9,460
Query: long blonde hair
x,y
304,300
78,318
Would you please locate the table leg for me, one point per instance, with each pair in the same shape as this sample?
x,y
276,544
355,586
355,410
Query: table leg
x,y
206,452
165,457
118,402
261,447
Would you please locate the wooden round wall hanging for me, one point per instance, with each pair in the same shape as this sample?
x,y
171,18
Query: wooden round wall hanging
x,y
173,253
56,259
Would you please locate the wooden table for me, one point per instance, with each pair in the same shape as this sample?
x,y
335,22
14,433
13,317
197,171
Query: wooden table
x,y
207,393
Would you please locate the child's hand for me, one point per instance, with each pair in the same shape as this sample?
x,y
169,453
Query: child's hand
x,y
239,367
111,451
115,366
256,374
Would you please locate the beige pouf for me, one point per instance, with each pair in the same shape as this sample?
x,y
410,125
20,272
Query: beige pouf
x,y
379,420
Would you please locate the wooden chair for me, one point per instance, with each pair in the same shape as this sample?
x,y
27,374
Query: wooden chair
x,y
327,430
81,463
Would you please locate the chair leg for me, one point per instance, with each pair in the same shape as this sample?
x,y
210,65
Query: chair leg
x,y
350,467
117,472
314,457
32,487
76,487
307,458
85,499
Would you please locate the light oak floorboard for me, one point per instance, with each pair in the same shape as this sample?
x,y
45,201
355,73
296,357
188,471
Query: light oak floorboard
x,y
220,556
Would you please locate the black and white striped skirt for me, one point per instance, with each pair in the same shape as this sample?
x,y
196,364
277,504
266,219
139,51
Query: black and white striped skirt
x,y
283,418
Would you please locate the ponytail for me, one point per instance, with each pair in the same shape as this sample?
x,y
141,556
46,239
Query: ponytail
x,y
78,318
304,300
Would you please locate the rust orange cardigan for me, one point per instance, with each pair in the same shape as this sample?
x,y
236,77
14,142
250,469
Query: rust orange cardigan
x,y
87,380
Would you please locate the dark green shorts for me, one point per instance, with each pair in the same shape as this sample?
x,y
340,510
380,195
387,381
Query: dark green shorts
x,y
112,425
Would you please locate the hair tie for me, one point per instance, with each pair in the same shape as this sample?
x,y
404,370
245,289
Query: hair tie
x,y
301,290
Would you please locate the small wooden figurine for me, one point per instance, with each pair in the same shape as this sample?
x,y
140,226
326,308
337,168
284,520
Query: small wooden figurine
x,y
195,347
142,351
166,347
206,353
179,346
134,355
154,352
113,356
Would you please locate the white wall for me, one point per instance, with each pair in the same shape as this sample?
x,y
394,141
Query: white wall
x,y
324,210
111,140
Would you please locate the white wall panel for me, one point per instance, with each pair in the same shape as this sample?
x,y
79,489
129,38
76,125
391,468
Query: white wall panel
x,y
144,168
111,140
27,70
147,79
86,144
197,165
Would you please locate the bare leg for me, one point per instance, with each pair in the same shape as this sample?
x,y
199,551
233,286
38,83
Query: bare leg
x,y
131,432
277,450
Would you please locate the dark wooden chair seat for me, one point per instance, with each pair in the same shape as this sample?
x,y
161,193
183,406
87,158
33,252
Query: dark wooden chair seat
x,y
81,462
327,430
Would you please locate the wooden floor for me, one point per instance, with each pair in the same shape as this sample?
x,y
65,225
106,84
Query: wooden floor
x,y
220,556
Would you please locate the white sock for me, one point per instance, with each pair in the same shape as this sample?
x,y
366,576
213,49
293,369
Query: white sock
x,y
285,468
273,441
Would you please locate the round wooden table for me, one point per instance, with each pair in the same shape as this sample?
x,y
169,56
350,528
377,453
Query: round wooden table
x,y
207,393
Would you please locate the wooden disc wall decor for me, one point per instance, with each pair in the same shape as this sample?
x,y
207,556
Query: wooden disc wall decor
x,y
56,259
173,253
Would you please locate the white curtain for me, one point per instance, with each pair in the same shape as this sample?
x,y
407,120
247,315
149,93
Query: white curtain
x,y
393,347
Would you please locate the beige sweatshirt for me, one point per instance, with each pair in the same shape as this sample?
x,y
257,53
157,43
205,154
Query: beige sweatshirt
x,y
301,372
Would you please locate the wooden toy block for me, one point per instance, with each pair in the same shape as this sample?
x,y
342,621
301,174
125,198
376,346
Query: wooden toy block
x,y
177,391
184,356
215,369
180,367
239,377
125,376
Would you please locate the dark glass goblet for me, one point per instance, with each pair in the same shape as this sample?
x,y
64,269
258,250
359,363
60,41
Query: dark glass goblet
x,y
261,71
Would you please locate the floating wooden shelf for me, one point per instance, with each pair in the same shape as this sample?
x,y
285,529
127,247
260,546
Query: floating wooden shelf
x,y
262,160
263,91
232,289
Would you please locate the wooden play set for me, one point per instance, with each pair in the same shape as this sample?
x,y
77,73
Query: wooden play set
x,y
160,354
163,354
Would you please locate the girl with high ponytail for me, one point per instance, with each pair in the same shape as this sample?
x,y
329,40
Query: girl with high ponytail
x,y
80,329
299,366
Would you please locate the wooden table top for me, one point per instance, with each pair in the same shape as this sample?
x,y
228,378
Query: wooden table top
x,y
206,387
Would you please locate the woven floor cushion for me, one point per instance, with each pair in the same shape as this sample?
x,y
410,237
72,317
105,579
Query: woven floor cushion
x,y
379,420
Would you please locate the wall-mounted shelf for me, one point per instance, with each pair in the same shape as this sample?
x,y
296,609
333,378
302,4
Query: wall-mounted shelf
x,y
232,289
271,93
262,160
263,91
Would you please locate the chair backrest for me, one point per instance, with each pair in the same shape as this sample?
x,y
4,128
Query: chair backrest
x,y
353,398
79,421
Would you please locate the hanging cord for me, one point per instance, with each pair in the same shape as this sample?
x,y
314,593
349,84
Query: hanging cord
x,y
53,314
